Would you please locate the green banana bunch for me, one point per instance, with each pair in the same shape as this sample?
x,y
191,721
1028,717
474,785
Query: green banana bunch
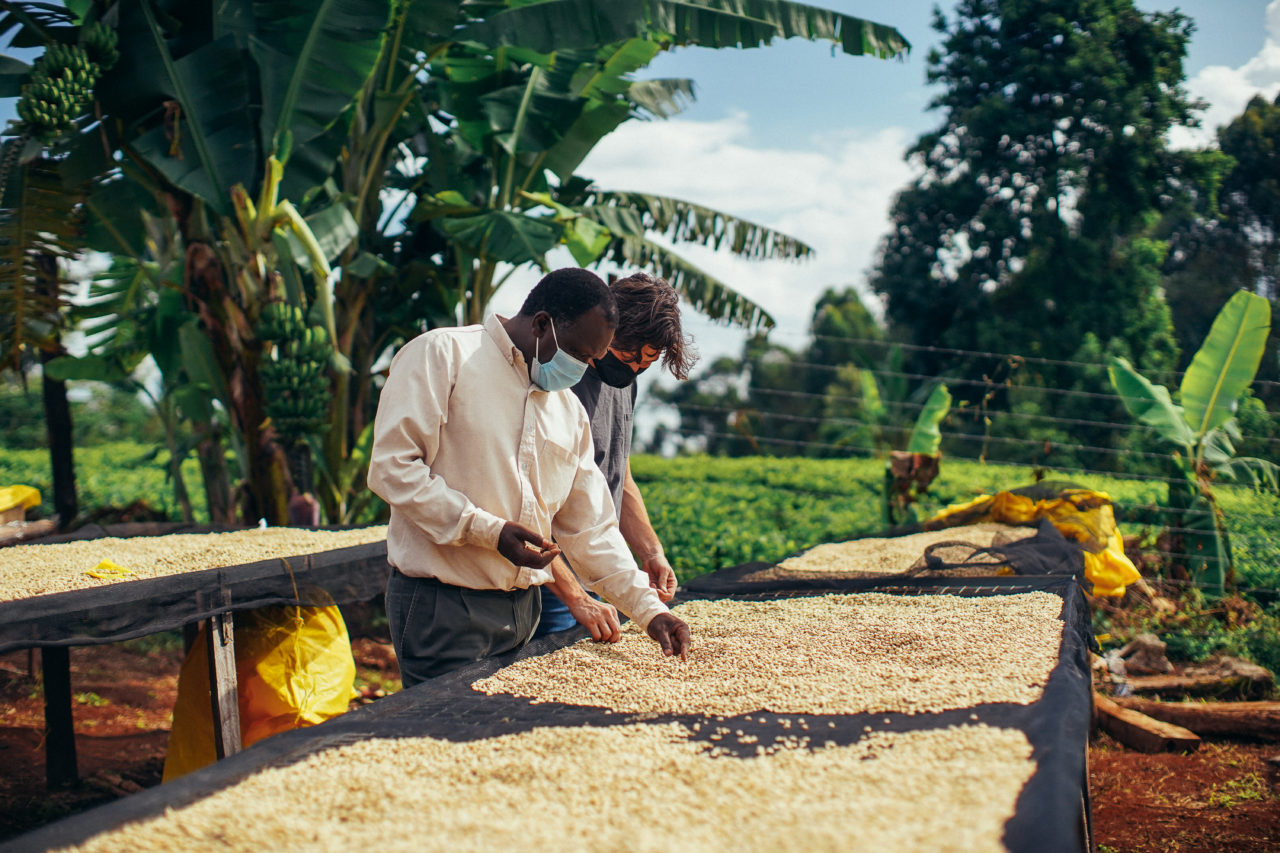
x,y
296,381
280,321
99,42
60,88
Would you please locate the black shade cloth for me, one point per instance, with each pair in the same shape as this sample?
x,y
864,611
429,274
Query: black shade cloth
x,y
123,611
1052,809
1047,552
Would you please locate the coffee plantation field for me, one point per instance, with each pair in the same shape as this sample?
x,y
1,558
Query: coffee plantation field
x,y
713,512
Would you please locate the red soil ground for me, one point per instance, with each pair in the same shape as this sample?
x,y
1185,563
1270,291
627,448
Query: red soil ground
x,y
1218,799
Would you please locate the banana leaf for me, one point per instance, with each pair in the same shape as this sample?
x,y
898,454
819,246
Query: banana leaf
x,y
561,24
706,293
37,229
313,59
1151,404
686,222
204,151
1226,363
505,236
926,438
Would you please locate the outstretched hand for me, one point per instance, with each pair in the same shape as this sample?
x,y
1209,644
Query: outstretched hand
x,y
599,617
671,635
526,547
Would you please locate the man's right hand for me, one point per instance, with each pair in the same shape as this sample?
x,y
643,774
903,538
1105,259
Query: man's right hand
x,y
598,617
671,634
526,547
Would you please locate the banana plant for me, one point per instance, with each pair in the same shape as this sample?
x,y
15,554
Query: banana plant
x,y
475,122
1203,428
908,473
211,99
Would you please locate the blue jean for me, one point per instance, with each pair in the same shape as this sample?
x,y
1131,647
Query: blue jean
x,y
555,614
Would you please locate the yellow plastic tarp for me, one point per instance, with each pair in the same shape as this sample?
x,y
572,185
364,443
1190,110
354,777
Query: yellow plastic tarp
x,y
293,667
12,497
1079,514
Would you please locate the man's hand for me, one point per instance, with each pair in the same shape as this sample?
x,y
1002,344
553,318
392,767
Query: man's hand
x,y
672,635
599,617
661,576
526,547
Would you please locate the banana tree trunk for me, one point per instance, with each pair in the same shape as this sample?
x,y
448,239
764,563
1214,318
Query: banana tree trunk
x,y
212,456
57,418
267,487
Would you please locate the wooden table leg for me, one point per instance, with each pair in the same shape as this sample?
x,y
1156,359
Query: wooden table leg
x,y
222,684
60,735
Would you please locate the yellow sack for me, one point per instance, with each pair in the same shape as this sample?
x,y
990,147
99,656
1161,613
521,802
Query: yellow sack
x,y
293,667
14,497
1082,515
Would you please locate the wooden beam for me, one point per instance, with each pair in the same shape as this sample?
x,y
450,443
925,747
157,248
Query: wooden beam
x,y
1254,720
223,692
1138,731
59,725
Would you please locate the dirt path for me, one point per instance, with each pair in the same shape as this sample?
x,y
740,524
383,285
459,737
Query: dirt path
x,y
1215,800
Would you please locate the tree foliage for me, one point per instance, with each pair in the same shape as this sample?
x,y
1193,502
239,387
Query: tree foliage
x,y
471,118
1228,238
1031,225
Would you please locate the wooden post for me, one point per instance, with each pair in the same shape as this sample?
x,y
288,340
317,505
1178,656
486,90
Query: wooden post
x,y
60,735
1140,732
222,681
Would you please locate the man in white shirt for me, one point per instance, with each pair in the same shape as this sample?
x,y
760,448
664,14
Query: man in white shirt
x,y
484,457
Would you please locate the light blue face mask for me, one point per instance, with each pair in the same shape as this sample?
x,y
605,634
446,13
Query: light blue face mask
x,y
560,373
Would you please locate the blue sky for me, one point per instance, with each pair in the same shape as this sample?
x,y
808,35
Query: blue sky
x,y
811,143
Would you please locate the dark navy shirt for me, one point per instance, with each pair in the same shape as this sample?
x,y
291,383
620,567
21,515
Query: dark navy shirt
x,y
609,409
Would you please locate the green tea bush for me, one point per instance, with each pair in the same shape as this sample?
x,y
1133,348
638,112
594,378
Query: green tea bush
x,y
714,512
110,475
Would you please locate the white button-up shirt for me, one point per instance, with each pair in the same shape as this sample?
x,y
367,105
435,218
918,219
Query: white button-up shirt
x,y
464,442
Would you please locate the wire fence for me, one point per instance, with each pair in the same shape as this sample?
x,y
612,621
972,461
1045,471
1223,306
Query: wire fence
x,y
797,407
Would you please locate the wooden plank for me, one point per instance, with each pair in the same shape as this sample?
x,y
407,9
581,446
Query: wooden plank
x,y
1254,720
1201,684
60,735
222,683
1138,731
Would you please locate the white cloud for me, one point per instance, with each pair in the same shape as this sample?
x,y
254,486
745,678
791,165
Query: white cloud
x,y
831,190
1228,90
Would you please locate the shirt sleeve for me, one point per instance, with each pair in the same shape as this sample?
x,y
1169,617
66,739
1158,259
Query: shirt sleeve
x,y
586,529
412,408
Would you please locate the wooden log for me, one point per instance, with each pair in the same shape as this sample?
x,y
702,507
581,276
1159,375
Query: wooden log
x,y
11,534
1254,720
1140,732
1177,686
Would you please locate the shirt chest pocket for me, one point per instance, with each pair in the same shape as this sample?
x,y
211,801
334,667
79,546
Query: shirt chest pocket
x,y
557,468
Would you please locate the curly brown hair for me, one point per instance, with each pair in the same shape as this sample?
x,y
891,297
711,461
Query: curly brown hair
x,y
649,315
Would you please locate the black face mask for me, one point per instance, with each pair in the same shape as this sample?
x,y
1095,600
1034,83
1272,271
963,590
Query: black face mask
x,y
614,371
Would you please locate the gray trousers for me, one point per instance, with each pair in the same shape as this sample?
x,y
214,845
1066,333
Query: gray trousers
x,y
437,627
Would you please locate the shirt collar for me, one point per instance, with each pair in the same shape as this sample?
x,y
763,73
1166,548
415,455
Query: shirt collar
x,y
493,325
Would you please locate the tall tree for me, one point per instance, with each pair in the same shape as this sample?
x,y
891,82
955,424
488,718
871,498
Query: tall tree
x,y
1031,225
1230,238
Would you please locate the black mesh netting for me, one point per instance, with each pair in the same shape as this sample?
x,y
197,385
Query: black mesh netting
x,y
1052,810
123,611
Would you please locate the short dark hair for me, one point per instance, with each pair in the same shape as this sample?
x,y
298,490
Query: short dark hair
x,y
566,294
649,315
